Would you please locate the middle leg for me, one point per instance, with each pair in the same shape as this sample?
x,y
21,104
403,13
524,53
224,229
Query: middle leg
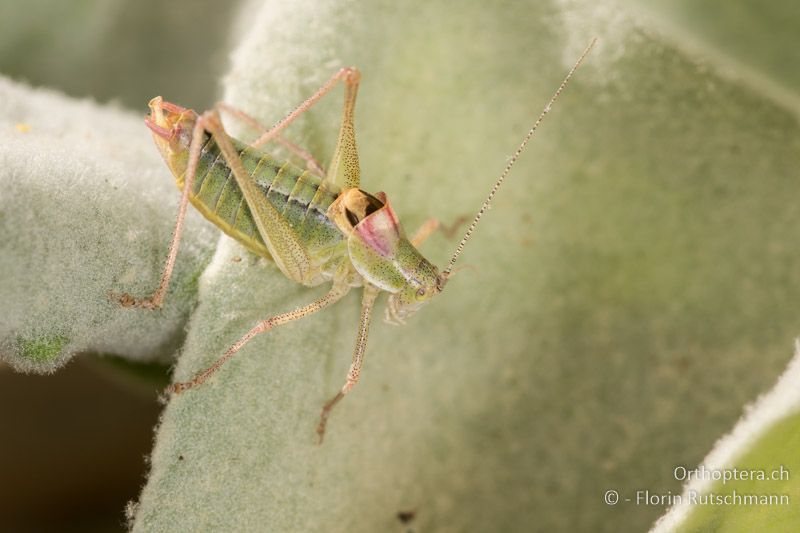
x,y
425,231
367,302
337,291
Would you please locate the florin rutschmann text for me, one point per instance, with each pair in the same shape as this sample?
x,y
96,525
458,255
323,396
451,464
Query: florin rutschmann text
x,y
695,495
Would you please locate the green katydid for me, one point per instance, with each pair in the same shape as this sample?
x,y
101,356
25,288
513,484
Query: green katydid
x,y
317,226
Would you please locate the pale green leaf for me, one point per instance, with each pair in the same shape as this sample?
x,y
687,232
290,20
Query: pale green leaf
x,y
633,287
85,209
748,482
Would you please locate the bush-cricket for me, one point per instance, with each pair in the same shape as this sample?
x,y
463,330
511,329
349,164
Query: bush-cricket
x,y
316,225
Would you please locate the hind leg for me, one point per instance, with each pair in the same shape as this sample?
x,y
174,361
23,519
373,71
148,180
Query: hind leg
x,y
156,300
313,164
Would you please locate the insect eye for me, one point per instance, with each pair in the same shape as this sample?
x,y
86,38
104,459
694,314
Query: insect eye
x,y
421,291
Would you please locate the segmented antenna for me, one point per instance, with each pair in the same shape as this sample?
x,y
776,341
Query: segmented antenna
x,y
447,271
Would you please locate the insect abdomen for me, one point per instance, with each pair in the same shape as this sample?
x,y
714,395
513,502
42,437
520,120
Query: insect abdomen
x,y
301,197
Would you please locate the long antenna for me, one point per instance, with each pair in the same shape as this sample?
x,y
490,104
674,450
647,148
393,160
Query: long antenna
x,y
447,271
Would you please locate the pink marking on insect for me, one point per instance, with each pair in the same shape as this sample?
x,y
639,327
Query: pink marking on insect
x,y
380,230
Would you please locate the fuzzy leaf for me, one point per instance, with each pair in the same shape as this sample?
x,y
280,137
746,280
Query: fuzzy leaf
x,y
85,209
750,41
757,463
634,285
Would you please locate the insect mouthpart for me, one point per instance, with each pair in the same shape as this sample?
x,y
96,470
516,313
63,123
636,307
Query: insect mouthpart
x,y
441,281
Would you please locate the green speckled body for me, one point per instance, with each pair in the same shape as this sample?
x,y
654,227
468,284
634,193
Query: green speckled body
x,y
302,199
315,229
